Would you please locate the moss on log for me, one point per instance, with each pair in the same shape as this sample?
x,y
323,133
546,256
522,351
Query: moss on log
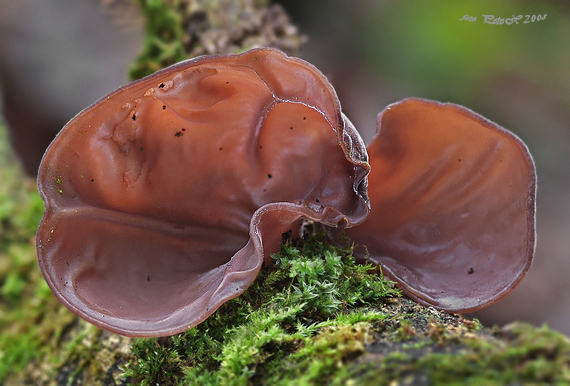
x,y
313,318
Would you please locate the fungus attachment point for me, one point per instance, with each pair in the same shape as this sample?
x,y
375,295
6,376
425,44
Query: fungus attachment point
x,y
455,235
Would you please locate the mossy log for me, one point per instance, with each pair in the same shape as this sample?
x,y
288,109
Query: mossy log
x,y
314,317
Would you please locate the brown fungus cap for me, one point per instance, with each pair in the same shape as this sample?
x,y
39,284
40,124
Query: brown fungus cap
x,y
453,205
164,198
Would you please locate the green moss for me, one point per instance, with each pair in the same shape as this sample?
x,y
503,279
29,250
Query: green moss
x,y
163,37
519,354
297,315
181,29
20,211
21,207
34,326
405,331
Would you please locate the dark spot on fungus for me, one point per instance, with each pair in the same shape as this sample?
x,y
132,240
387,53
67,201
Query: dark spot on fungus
x,y
164,107
134,117
470,271
207,223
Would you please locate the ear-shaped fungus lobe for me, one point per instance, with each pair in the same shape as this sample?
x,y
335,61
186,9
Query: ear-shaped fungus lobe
x,y
453,202
150,192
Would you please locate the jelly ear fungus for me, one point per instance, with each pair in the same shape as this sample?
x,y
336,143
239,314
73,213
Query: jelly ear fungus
x,y
453,205
164,198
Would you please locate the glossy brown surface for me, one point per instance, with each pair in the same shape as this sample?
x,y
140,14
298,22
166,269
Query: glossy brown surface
x,y
151,192
453,205
164,198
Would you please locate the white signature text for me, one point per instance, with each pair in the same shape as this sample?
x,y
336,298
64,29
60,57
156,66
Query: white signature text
x,y
491,19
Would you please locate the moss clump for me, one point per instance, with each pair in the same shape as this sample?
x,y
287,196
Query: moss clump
x,y
21,207
523,354
164,36
297,326
21,300
297,315
444,352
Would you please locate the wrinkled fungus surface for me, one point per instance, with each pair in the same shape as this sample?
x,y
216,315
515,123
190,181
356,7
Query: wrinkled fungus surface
x,y
164,198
